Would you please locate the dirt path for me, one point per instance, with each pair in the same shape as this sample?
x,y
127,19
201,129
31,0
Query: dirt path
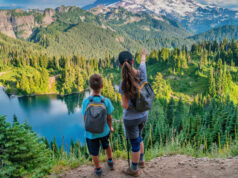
x,y
178,166
52,81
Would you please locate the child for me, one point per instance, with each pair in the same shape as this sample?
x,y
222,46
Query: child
x,y
95,139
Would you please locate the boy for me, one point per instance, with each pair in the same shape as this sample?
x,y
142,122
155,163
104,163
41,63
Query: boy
x,y
95,139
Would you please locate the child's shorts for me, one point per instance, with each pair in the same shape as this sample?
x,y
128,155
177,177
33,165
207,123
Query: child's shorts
x,y
94,144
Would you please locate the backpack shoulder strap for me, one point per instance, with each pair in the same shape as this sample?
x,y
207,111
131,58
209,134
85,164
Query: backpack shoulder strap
x,y
102,100
90,99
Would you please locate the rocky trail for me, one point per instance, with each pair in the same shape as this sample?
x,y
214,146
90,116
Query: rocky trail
x,y
177,166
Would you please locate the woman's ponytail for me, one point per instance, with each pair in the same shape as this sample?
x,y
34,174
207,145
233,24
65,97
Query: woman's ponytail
x,y
129,81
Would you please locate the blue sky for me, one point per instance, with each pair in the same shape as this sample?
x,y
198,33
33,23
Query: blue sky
x,y
41,4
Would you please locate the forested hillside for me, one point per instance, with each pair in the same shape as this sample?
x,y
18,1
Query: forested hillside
x,y
68,31
228,31
187,72
80,32
195,110
55,51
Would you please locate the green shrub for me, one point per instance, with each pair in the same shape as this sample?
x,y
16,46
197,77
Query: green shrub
x,y
21,151
234,150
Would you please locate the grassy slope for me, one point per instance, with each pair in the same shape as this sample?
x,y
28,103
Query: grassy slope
x,y
189,82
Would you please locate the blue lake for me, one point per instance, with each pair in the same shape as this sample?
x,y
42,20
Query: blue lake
x,y
49,115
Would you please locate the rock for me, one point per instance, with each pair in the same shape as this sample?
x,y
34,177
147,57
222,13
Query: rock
x,y
181,163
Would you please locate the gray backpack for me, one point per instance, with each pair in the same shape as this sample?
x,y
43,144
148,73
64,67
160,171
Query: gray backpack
x,y
145,97
95,116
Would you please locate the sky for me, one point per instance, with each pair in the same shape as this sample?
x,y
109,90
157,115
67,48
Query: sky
x,y
41,4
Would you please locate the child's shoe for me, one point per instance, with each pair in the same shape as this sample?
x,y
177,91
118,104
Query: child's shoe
x,y
110,164
142,164
98,172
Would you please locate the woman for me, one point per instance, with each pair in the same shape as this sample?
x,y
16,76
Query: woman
x,y
134,121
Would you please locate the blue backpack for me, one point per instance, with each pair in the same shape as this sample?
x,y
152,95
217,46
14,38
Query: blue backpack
x,y
95,116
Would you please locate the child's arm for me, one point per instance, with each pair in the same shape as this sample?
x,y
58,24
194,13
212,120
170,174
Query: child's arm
x,y
109,122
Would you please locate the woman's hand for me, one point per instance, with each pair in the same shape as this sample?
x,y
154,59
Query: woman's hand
x,y
143,56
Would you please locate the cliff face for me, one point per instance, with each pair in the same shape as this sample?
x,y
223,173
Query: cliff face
x,y
20,24
23,25
48,17
6,26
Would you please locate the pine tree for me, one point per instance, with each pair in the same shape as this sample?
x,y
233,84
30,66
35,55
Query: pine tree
x,y
31,85
164,54
107,59
44,80
6,166
205,57
121,136
161,88
80,81
171,112
138,56
24,84
201,63
212,84
179,115
23,153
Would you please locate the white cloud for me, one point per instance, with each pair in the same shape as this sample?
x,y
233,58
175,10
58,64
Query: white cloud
x,y
41,4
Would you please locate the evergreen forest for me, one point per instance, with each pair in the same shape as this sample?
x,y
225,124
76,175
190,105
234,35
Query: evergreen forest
x,y
195,110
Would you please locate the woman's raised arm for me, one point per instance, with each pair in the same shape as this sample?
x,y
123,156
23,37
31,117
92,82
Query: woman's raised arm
x,y
143,57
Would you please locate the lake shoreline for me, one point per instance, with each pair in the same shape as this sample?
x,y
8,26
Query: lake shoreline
x,y
52,117
43,94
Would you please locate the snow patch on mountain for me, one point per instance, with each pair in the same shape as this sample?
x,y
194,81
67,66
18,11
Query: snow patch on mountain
x,y
160,7
192,15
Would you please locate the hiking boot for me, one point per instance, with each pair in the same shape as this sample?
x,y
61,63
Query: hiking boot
x,y
98,172
131,172
142,164
110,165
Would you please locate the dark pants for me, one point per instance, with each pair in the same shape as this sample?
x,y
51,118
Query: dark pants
x,y
94,144
134,129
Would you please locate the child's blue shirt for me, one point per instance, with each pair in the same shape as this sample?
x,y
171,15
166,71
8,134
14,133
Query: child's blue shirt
x,y
109,108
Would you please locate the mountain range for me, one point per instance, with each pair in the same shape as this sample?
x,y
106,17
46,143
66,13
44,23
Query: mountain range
x,y
119,25
194,16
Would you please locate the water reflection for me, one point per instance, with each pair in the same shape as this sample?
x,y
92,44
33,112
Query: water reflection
x,y
72,102
32,102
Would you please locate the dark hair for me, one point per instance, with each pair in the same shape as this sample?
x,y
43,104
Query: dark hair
x,y
125,56
129,78
96,82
